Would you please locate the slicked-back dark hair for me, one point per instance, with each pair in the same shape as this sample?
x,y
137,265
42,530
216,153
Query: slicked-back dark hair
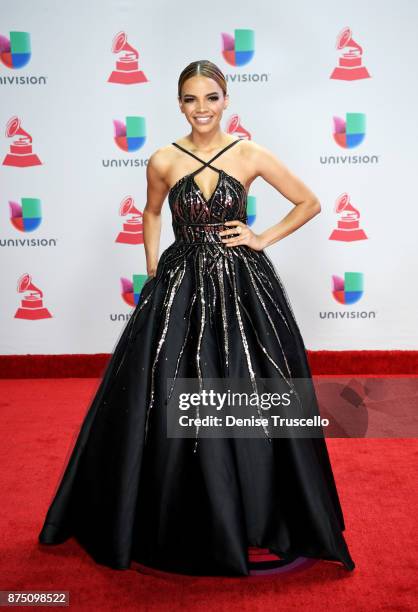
x,y
204,68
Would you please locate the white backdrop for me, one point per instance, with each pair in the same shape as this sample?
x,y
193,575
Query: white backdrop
x,y
285,100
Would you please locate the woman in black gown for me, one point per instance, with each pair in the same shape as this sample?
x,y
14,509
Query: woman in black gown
x,y
213,307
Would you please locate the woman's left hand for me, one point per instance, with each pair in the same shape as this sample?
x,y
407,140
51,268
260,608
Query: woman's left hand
x,y
245,236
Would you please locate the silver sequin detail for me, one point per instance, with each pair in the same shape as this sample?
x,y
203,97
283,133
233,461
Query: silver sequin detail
x,y
198,250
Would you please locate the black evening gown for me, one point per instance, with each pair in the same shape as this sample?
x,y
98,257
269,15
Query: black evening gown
x,y
194,505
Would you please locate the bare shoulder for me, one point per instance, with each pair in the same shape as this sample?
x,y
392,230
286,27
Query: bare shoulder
x,y
159,163
161,158
266,164
254,156
253,150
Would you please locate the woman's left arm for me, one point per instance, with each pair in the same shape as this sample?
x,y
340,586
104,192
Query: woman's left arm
x,y
306,204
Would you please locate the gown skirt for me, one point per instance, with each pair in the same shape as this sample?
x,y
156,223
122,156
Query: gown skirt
x,y
194,505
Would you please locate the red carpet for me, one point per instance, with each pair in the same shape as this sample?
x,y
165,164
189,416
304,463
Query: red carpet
x,y
376,479
321,362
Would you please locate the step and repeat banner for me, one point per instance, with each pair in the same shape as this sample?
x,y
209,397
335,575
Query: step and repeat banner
x,y
89,91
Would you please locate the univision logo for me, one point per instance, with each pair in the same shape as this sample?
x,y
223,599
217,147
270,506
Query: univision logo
x,y
131,289
251,209
129,136
238,50
130,293
15,53
349,133
26,217
348,290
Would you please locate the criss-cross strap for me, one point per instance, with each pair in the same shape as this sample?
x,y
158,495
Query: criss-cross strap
x,y
208,163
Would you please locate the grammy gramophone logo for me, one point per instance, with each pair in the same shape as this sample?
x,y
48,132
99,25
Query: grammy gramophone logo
x,y
348,226
350,63
21,154
31,305
127,70
132,232
234,126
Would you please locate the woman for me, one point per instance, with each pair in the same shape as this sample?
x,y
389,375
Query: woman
x,y
213,308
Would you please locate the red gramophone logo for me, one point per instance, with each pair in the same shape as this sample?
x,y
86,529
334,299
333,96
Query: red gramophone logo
x,y
127,70
21,155
234,126
348,227
132,232
31,306
350,66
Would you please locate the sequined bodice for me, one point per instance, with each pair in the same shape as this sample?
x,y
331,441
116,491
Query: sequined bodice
x,y
198,220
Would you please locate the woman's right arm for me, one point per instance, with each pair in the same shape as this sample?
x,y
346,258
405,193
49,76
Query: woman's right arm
x,y
157,190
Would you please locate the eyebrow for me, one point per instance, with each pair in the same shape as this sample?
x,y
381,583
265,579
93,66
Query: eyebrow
x,y
209,94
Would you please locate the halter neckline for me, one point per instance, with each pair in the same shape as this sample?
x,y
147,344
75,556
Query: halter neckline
x,y
210,160
206,164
